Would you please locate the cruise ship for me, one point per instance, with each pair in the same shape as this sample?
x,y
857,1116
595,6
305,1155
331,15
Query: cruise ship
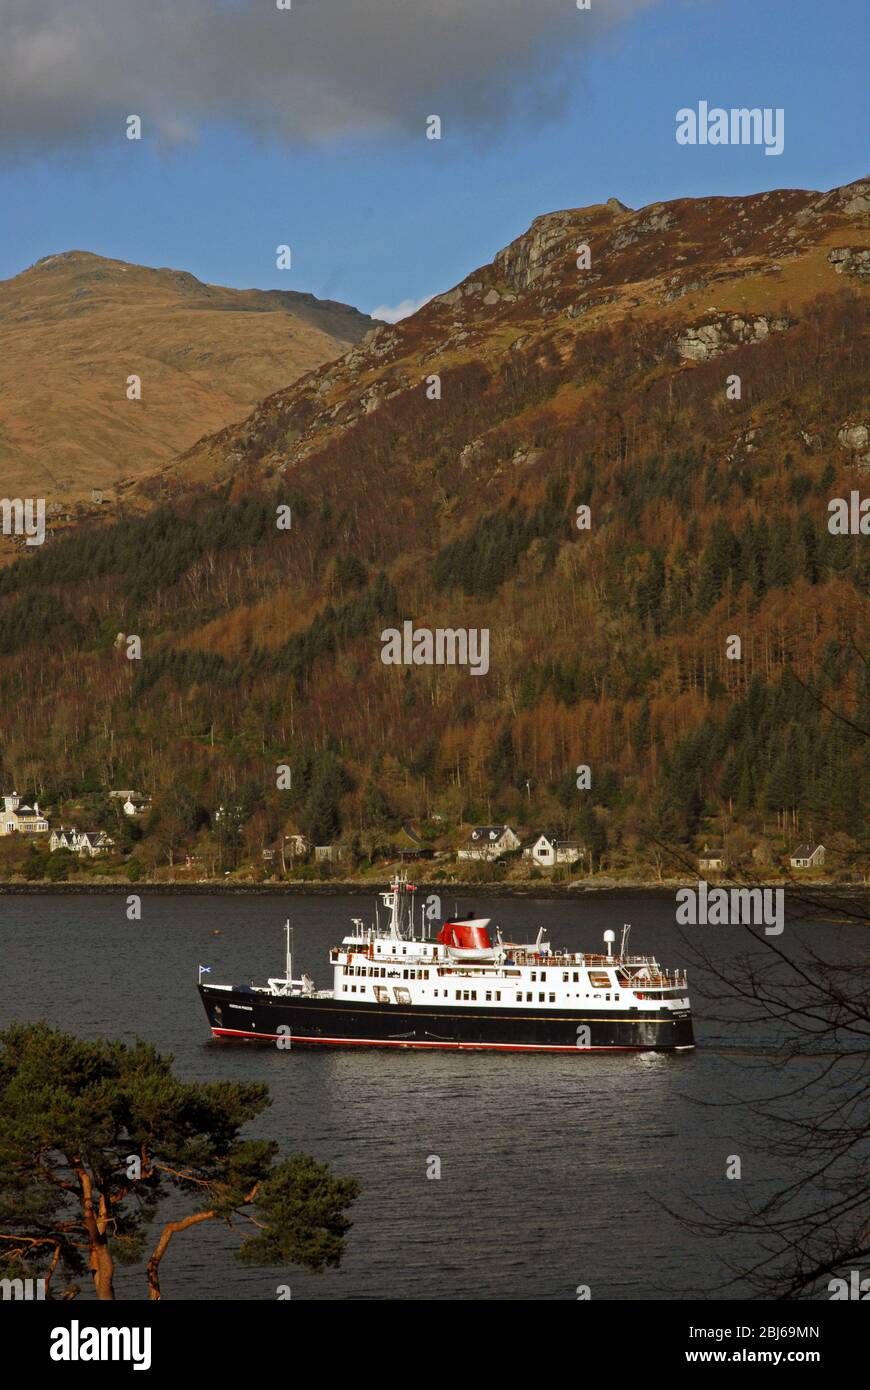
x,y
397,984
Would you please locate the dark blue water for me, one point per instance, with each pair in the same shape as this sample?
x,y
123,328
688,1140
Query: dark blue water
x,y
553,1168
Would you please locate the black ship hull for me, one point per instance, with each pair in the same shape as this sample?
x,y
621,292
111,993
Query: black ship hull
x,y
244,1015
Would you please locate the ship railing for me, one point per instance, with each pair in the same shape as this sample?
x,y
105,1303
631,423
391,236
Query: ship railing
x,y
568,960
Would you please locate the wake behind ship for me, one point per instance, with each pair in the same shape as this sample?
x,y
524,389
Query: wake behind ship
x,y
397,987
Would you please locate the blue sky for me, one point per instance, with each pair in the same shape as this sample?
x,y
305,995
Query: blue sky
x,y
374,212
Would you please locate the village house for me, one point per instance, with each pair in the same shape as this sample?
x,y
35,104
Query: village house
x,y
132,803
711,860
487,842
808,857
328,854
547,850
89,842
21,819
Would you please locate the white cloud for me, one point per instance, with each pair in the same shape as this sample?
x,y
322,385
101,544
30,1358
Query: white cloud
x,y
323,70
392,313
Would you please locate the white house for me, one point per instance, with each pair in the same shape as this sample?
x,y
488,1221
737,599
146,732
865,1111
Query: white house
x,y
711,860
328,854
90,842
20,819
94,842
808,857
487,842
132,803
547,850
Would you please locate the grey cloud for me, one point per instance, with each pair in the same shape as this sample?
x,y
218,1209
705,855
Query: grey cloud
x,y
326,69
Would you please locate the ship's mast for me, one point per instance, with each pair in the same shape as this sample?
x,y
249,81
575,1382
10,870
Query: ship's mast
x,y
393,901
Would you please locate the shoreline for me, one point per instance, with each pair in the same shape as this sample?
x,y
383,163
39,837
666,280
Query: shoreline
x,y
464,888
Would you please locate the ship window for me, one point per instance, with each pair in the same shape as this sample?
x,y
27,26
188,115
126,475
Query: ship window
x,y
489,996
528,996
564,977
459,994
599,979
541,997
474,994
576,977
543,975
552,998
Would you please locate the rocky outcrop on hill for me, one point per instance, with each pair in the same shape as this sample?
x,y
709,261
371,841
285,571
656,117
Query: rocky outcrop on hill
x,y
850,260
708,340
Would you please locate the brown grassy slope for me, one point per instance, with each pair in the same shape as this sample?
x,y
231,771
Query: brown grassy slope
x,y
741,268
73,327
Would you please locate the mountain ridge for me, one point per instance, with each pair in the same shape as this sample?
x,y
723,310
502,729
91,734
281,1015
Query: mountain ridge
x,y
742,267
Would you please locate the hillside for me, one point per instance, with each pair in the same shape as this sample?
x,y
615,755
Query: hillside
x,y
74,326
454,503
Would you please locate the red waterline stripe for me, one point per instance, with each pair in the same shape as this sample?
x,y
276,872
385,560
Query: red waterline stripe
x,y
400,1042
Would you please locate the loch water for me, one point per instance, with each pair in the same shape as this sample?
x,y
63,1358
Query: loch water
x,y
557,1171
